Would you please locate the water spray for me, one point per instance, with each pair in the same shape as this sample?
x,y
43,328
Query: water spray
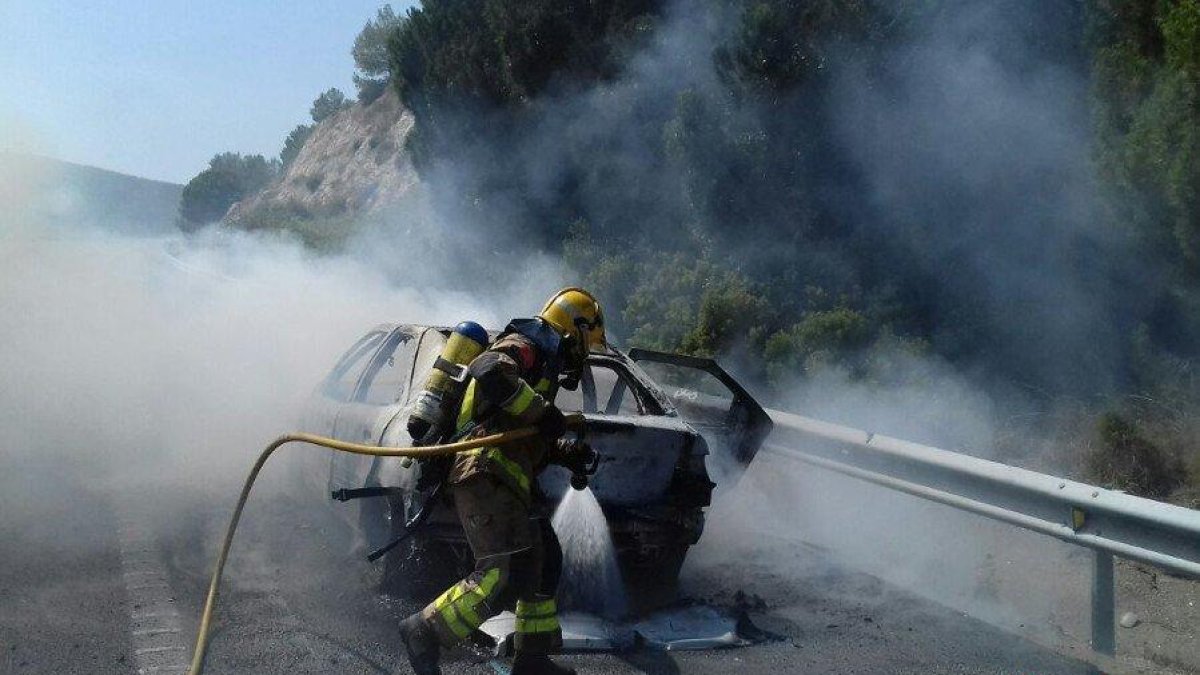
x,y
591,573
505,438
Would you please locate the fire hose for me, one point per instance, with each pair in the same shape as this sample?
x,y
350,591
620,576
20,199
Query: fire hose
x,y
504,438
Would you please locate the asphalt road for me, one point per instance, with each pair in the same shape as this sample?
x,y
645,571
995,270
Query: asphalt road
x,y
62,597
296,603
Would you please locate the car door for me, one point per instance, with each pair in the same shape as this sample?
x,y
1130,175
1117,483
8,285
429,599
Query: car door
x,y
714,403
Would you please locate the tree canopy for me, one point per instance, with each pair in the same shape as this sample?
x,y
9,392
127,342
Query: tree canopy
x,y
229,177
370,52
328,103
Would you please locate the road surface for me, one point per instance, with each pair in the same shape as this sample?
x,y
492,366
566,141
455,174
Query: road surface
x,y
100,581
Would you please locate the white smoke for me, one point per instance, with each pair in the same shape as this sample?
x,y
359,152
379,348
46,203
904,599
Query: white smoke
x,y
170,361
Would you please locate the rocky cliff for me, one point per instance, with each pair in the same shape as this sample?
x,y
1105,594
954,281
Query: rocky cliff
x,y
353,164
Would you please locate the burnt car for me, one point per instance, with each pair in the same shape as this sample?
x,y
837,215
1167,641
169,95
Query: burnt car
x,y
665,426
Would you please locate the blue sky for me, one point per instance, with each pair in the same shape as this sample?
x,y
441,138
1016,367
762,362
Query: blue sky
x,y
155,89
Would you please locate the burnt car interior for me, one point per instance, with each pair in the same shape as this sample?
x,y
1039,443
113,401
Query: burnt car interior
x,y
608,388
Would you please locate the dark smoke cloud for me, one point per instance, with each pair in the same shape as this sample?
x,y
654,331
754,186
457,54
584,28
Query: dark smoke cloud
x,y
974,147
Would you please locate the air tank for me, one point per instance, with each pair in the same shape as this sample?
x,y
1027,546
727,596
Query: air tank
x,y
436,406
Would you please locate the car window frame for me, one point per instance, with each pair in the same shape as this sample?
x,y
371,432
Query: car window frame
x,y
362,347
647,404
389,346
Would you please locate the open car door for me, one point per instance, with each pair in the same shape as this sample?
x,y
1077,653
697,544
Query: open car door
x,y
710,400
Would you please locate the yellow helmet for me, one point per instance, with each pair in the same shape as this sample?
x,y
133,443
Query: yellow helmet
x,y
575,313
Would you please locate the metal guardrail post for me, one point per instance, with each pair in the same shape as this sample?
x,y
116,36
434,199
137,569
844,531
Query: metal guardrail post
x,y
1104,639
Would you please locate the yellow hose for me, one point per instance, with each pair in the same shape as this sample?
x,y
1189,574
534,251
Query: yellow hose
x,y
210,602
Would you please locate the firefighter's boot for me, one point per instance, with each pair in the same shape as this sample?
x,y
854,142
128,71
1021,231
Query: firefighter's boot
x,y
421,645
525,663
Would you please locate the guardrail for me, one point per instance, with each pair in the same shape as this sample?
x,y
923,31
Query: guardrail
x,y
1111,523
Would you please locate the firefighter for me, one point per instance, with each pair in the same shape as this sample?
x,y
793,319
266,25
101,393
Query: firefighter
x,y
517,555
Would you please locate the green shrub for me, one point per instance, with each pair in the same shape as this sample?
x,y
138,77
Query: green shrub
x,y
819,339
327,104
294,143
228,178
1125,459
323,233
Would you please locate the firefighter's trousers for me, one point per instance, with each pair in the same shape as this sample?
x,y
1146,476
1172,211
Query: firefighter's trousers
x,y
517,560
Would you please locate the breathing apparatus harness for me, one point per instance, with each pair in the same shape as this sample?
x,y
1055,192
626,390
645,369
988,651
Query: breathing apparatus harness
x,y
562,361
556,347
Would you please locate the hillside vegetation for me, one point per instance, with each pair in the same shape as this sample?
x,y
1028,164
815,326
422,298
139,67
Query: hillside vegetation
x,y
814,186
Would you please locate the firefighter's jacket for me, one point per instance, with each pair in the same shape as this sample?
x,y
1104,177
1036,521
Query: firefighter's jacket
x,y
511,386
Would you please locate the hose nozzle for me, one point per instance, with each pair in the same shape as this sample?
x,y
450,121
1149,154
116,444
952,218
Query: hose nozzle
x,y
582,472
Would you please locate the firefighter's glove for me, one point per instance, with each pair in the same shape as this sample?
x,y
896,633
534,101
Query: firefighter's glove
x,y
552,424
578,457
